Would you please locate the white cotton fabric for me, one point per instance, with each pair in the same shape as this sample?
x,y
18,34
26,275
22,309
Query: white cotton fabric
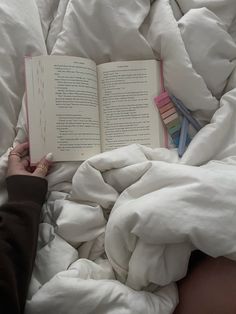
x,y
219,52
117,230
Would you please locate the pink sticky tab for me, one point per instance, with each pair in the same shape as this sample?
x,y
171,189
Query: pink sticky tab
x,y
163,96
166,108
171,118
162,99
168,113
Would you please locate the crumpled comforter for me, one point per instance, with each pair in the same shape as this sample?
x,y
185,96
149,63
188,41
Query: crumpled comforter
x,y
117,231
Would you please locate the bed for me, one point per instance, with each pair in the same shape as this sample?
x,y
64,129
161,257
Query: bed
x,y
117,231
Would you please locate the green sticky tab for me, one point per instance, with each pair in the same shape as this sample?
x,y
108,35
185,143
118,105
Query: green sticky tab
x,y
174,129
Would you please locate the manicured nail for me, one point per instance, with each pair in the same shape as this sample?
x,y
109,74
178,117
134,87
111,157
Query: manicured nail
x,y
49,157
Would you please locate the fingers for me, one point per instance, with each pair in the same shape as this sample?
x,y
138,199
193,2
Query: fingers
x,y
18,152
18,160
25,162
43,166
19,163
20,149
14,158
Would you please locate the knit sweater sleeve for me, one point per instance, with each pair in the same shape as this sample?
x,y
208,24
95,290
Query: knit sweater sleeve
x,y
19,220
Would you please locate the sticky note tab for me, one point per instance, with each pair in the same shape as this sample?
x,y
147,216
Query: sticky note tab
x,y
166,107
168,113
174,128
169,116
162,100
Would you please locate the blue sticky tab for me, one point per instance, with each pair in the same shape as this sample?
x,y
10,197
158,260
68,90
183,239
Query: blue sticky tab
x,y
175,138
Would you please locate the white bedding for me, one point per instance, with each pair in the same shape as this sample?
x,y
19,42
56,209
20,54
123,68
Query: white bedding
x,y
118,230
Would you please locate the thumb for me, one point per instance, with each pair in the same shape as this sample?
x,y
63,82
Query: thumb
x,y
43,166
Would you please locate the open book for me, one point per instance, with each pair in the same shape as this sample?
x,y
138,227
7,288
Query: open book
x,y
77,109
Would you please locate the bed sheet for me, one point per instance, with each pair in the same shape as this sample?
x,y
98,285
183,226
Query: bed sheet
x,y
117,231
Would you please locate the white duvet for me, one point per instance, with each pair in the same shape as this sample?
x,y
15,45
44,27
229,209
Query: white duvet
x,y
118,230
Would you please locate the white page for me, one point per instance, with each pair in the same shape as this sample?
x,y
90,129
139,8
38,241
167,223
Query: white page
x,y
126,98
68,108
35,108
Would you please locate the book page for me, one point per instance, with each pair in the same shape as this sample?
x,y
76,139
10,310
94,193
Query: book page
x,y
126,98
65,89
35,108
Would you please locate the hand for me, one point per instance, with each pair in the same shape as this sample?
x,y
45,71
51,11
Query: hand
x,y
19,163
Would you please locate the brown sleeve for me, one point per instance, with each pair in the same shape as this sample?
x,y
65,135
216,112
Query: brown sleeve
x,y
19,220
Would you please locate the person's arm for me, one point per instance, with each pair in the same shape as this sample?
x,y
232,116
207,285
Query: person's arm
x,y
19,220
209,287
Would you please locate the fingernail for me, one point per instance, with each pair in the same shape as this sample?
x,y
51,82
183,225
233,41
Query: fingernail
x,y
49,157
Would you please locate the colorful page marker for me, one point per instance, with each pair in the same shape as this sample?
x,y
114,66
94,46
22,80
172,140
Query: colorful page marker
x,y
169,116
169,106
